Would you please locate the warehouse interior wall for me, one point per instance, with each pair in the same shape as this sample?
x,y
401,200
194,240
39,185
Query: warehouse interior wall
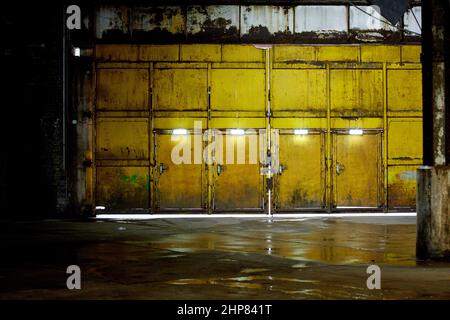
x,y
54,181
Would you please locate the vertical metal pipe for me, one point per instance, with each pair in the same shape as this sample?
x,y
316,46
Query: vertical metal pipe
x,y
269,129
385,138
328,145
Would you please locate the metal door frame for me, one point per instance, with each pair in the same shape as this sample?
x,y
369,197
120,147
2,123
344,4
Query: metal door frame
x,y
380,171
323,173
156,174
262,185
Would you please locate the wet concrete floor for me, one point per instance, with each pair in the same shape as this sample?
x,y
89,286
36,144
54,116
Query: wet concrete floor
x,y
225,258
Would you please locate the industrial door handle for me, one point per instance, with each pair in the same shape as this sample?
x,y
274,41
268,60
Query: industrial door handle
x,y
162,168
219,169
339,168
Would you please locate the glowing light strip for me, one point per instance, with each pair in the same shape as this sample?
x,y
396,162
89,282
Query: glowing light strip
x,y
301,132
246,216
237,132
179,132
355,132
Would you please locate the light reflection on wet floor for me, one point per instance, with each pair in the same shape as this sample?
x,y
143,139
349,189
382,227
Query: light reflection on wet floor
x,y
333,241
220,259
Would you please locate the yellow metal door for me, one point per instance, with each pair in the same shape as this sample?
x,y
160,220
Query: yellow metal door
x,y
301,174
357,170
237,179
179,184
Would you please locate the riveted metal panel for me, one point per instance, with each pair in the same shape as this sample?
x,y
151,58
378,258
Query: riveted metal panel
x,y
201,52
299,90
411,53
117,52
338,53
356,92
380,53
405,141
122,89
238,89
404,90
159,52
242,53
122,188
294,53
402,186
180,89
119,138
301,178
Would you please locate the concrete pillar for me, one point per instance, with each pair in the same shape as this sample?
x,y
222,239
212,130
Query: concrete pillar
x,y
433,212
433,180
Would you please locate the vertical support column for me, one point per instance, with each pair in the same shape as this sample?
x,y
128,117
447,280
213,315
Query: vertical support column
x,y
329,193
433,179
269,179
385,140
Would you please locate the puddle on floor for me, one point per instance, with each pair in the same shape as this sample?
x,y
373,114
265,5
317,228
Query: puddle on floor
x,y
340,242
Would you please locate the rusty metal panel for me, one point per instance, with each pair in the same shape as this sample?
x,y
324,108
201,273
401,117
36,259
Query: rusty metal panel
x,y
238,89
405,140
201,52
241,53
122,89
122,188
237,183
321,23
402,186
159,52
213,23
356,92
411,53
157,23
338,53
180,89
117,52
266,23
404,90
301,178
356,170
178,185
380,53
119,138
284,53
299,90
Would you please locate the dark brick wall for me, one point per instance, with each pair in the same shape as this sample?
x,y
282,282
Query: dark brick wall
x,y
32,179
